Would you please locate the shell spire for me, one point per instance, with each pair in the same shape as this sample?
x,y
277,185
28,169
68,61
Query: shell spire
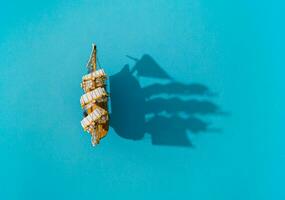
x,y
91,64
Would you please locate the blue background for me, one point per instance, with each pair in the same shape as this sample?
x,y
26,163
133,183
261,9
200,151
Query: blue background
x,y
231,47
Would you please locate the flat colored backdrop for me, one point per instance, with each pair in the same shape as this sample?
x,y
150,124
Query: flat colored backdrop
x,y
195,95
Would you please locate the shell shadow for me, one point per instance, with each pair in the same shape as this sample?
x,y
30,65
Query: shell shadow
x,y
158,109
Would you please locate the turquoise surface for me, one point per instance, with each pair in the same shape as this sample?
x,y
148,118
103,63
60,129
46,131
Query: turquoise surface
x,y
197,94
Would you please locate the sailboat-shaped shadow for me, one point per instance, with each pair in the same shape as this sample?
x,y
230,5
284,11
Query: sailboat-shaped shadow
x,y
138,110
